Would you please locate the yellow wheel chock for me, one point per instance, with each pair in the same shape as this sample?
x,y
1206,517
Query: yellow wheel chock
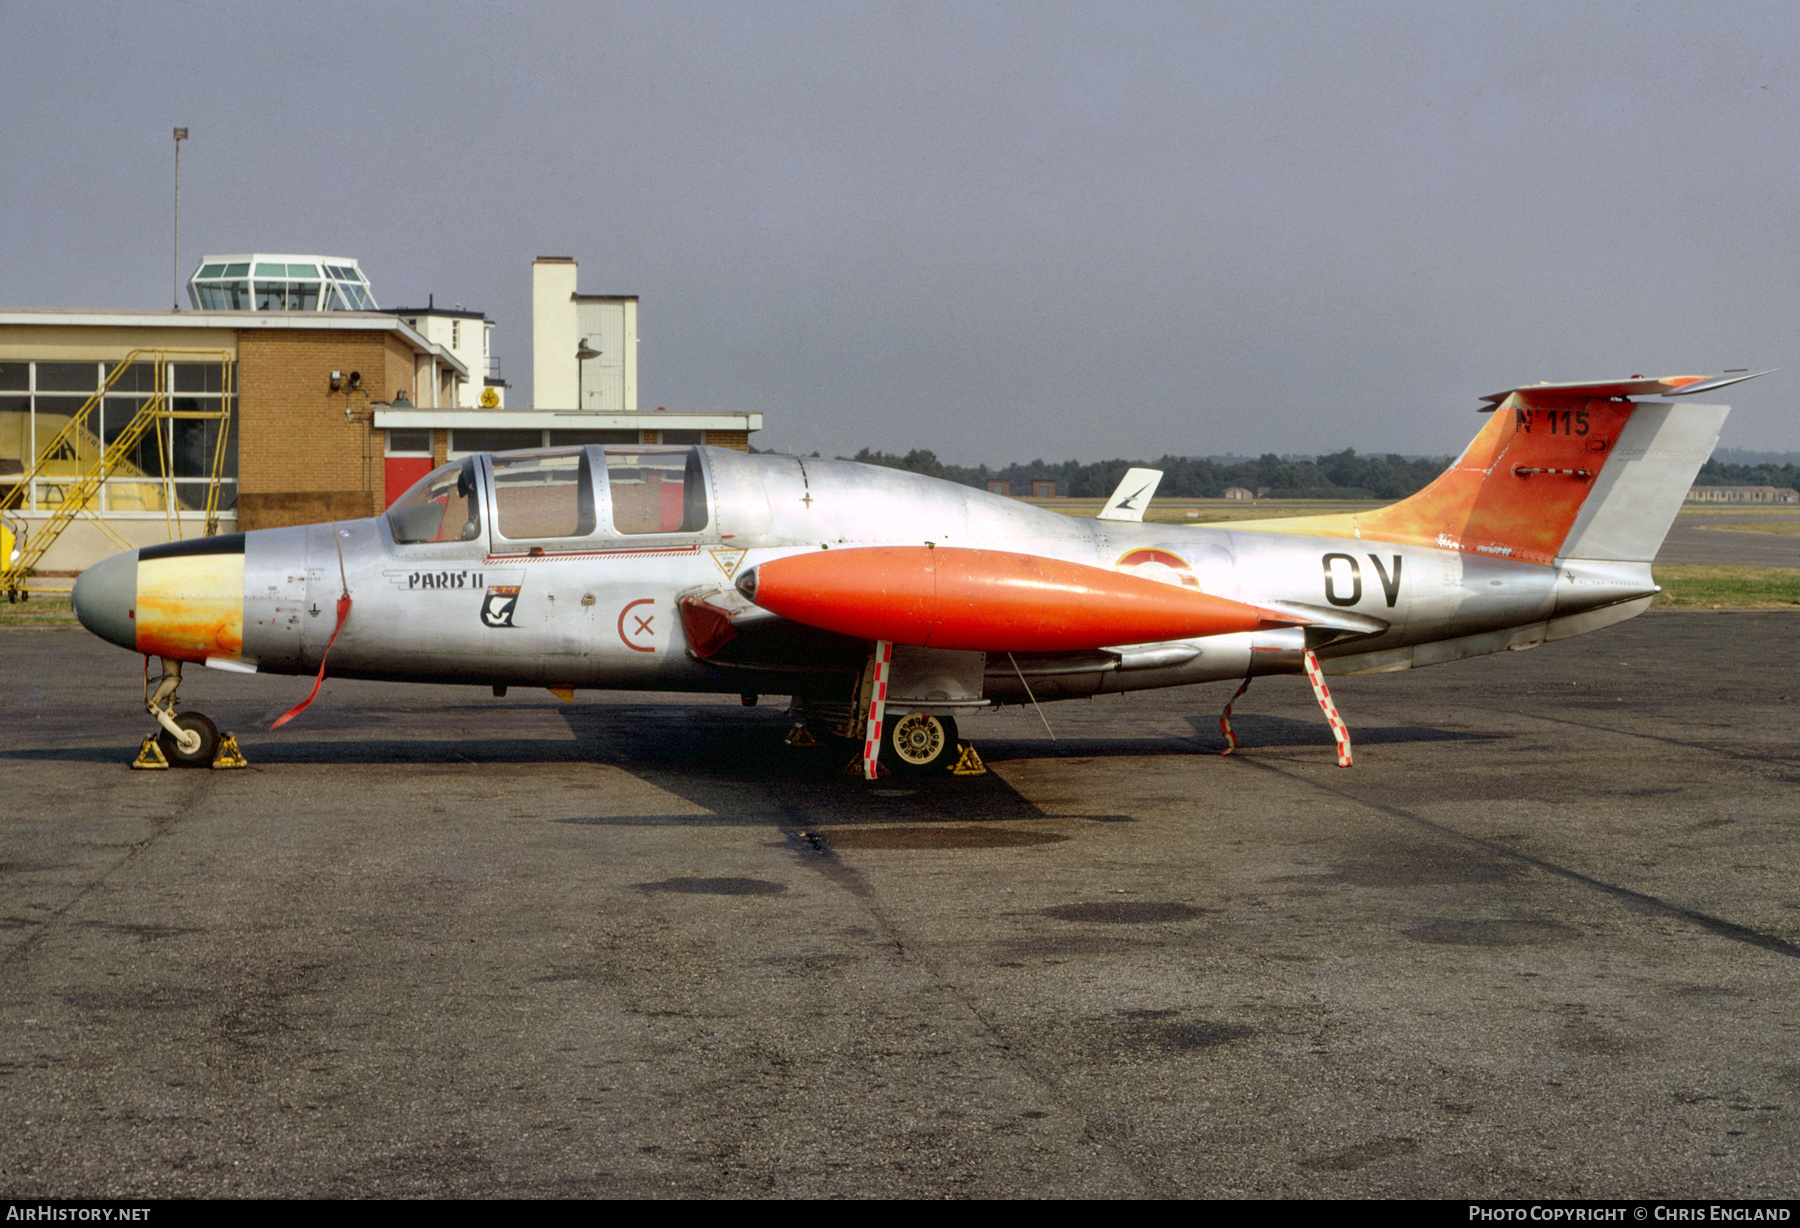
x,y
150,757
968,763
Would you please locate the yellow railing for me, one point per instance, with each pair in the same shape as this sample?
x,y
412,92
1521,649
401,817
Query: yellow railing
x,y
79,491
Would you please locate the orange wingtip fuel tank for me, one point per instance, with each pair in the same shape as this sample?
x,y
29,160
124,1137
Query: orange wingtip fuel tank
x,y
988,600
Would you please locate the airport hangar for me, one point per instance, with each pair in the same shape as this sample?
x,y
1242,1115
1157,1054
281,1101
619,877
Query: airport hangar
x,y
340,406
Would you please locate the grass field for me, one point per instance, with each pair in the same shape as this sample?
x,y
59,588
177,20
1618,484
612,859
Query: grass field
x,y
1787,528
1702,586
43,610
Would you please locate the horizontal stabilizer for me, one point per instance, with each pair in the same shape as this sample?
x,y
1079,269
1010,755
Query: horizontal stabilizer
x,y
1133,496
1635,386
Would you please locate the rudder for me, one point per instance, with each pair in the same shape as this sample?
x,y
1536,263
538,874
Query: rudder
x,y
1638,493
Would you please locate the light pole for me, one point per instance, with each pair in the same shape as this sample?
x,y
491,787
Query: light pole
x,y
180,136
581,356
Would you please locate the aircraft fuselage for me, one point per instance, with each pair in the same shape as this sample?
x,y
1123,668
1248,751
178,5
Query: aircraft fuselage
x,y
501,601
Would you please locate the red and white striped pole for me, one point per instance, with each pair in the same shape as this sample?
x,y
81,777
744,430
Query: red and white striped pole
x,y
884,660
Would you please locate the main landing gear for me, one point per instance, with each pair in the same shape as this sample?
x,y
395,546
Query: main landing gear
x,y
911,745
920,743
186,739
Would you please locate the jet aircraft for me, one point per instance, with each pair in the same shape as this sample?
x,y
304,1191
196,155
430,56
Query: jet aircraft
x,y
887,604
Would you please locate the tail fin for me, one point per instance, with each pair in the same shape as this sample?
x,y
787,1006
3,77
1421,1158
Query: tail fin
x,y
1559,471
1650,471
1133,496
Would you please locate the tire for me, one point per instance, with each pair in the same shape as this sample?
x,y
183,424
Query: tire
x,y
920,743
209,742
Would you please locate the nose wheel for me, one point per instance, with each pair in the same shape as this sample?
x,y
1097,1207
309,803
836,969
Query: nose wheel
x,y
186,739
195,744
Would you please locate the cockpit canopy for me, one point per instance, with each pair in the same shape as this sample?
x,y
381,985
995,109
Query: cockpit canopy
x,y
556,493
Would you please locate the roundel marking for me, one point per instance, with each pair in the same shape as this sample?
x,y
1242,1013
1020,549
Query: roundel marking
x,y
1155,564
641,635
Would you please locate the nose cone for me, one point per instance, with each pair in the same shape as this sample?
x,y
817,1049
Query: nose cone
x,y
105,599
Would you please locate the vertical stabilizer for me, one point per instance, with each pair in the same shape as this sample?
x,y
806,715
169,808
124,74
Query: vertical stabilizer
x,y
1133,496
1641,488
1559,471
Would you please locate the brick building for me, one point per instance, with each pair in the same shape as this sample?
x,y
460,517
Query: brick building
x,y
302,443
335,412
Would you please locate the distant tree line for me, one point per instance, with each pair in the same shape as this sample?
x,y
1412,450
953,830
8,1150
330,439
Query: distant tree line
x,y
1339,475
1717,473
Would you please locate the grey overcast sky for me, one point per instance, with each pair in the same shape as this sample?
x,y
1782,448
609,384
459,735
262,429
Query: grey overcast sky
x,y
999,231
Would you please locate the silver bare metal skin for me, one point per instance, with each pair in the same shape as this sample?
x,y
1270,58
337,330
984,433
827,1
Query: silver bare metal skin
x,y
604,609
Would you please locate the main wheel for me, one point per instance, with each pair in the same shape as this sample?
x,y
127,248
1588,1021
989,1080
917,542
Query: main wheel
x,y
920,743
201,756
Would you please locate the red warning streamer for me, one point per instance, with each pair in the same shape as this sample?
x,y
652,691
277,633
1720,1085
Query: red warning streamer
x,y
343,612
1225,717
1317,677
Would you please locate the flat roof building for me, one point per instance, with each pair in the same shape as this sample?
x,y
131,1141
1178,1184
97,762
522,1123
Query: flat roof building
x,y
330,413
583,346
1743,494
302,446
469,336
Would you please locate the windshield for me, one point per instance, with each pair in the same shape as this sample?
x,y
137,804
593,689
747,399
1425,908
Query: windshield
x,y
441,507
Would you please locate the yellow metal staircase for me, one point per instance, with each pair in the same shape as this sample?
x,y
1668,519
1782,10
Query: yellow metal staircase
x,y
80,441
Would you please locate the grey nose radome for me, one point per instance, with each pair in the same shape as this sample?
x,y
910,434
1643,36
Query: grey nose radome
x,y
105,599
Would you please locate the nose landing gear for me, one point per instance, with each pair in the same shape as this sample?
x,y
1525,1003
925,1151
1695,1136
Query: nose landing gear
x,y
186,739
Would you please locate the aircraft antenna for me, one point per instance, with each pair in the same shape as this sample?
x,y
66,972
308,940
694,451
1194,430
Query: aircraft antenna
x,y
1031,697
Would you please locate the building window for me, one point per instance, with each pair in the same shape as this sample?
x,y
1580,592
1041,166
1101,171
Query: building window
x,y
168,466
559,439
409,443
487,439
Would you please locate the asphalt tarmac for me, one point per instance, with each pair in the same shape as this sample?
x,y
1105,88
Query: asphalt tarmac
x,y
1542,940
1695,538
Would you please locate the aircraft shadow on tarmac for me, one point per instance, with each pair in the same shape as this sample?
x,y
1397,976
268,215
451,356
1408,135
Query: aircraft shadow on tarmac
x,y
1256,731
734,763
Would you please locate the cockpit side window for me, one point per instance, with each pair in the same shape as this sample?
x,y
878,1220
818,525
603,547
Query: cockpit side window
x,y
656,491
543,494
441,507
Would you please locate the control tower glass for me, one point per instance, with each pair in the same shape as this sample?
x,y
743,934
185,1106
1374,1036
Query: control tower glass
x,y
269,282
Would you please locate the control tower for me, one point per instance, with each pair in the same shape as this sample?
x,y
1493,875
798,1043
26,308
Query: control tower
x,y
266,281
